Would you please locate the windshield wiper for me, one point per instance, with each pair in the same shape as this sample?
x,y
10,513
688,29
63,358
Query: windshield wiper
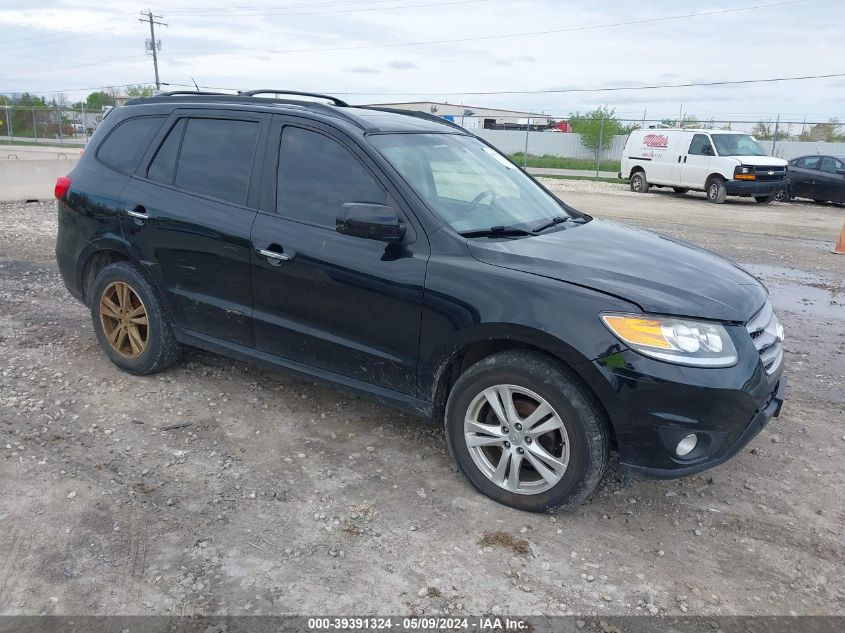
x,y
497,231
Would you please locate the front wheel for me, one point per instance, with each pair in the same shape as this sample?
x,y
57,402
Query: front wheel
x,y
716,190
525,432
784,194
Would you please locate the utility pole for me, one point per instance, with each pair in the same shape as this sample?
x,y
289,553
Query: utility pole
x,y
153,44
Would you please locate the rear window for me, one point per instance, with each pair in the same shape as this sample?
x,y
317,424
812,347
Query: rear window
x,y
125,145
216,158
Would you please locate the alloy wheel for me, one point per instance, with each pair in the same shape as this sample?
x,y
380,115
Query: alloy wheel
x,y
124,319
516,439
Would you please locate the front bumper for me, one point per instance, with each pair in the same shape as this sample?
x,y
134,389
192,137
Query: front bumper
x,y
754,187
758,422
652,405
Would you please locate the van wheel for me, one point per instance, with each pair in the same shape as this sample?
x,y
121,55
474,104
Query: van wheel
x,y
680,190
716,190
764,199
129,321
525,433
639,183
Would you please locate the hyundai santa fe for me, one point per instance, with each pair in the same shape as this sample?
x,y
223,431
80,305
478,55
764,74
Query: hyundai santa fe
x,y
396,254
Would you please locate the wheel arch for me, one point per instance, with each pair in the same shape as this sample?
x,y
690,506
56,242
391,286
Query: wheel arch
x,y
635,169
456,357
96,256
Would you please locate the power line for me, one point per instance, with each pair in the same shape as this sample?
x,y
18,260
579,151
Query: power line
x,y
607,89
554,90
230,13
626,23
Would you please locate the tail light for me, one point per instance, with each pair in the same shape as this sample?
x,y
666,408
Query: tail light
x,y
62,186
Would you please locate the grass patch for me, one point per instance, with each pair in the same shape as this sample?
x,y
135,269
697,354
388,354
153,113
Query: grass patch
x,y
503,539
73,144
558,162
615,181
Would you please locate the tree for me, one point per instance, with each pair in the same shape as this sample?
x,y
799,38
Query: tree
x,y
829,132
597,128
99,100
140,91
765,131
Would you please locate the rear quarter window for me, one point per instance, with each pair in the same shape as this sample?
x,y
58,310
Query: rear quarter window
x,y
126,143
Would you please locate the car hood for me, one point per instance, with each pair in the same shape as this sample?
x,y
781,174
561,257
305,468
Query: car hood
x,y
766,161
658,273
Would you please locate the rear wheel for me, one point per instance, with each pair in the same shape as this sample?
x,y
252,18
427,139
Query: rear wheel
x,y
764,199
716,190
680,189
525,432
130,322
639,183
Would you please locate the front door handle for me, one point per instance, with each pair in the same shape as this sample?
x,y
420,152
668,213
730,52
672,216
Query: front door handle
x,y
273,256
139,213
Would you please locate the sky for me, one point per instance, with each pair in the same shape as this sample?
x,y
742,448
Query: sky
x,y
371,51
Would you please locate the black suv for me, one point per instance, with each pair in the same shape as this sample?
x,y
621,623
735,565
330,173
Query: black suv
x,y
394,253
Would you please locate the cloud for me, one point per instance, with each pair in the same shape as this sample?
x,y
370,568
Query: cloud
x,y
363,70
398,64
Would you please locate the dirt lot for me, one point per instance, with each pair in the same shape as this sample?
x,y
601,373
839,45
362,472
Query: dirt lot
x,y
282,496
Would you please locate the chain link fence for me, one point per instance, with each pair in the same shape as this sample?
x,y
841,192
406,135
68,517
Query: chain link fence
x,y
48,125
599,151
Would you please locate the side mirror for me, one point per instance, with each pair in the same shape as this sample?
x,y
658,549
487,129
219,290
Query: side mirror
x,y
841,172
370,221
707,150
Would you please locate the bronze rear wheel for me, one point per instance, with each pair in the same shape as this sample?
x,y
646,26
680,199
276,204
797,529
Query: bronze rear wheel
x,y
124,319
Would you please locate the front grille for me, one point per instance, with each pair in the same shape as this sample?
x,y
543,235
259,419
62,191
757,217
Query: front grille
x,y
777,172
767,335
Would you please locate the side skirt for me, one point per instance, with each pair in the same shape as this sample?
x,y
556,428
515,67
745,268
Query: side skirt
x,y
401,401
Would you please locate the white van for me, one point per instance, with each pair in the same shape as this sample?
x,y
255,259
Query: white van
x,y
721,162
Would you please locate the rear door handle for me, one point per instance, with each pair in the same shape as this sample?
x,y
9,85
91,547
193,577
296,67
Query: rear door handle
x,y
139,213
273,255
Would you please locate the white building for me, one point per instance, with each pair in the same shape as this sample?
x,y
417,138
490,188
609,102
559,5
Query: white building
x,y
473,117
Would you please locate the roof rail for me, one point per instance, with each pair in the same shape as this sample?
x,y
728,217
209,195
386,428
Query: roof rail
x,y
265,91
419,115
176,93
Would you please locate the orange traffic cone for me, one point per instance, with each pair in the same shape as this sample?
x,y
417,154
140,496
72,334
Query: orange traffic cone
x,y
839,249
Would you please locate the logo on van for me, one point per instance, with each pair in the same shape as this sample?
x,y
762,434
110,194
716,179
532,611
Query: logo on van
x,y
656,140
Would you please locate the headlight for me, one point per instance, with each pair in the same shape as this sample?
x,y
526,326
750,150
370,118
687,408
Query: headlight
x,y
674,340
742,172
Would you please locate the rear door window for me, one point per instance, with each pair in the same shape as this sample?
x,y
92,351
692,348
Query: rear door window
x,y
125,145
163,167
216,158
317,175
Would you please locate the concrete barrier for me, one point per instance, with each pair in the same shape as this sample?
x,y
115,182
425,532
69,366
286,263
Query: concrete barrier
x,y
31,179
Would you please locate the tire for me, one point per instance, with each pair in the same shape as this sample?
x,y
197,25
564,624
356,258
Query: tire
x,y
143,343
784,194
579,441
638,182
681,190
716,190
764,199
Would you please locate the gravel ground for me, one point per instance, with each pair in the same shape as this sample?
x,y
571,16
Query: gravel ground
x,y
219,488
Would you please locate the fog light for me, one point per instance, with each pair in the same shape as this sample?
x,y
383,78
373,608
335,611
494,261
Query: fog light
x,y
686,445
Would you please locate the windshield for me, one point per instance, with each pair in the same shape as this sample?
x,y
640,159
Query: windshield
x,y
471,186
737,145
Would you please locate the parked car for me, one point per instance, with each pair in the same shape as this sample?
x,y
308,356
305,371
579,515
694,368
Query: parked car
x,y
396,254
820,178
721,162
